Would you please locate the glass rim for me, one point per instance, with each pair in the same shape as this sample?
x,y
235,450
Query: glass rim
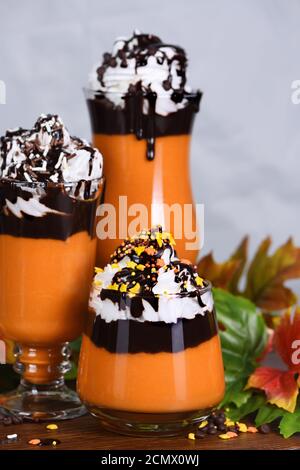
x,y
91,93
47,183
180,295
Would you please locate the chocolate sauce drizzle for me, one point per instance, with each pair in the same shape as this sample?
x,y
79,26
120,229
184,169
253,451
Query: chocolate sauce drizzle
x,y
141,47
38,154
145,253
108,119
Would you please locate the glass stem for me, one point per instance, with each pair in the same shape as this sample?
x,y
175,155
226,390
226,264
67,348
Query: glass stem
x,y
42,365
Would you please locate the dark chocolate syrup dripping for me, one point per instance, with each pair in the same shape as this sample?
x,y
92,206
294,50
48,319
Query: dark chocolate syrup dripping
x,y
152,97
135,303
141,47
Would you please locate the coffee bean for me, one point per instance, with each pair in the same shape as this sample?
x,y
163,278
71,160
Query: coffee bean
x,y
219,420
7,421
265,429
232,429
212,431
210,426
222,427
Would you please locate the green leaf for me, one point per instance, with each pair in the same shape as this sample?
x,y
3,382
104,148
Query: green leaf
x,y
76,344
268,413
243,333
72,374
290,423
235,393
252,404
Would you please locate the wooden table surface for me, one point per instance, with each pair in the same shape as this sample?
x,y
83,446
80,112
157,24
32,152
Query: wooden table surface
x,y
86,434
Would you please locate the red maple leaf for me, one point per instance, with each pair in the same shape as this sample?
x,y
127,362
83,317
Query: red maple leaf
x,y
282,386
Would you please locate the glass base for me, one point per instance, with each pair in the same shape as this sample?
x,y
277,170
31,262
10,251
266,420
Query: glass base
x,y
148,424
53,401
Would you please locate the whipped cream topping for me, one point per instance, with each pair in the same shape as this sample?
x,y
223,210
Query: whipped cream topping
x,y
47,152
143,63
146,281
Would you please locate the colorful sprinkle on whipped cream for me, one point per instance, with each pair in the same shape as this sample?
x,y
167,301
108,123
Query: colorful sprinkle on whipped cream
x,y
145,271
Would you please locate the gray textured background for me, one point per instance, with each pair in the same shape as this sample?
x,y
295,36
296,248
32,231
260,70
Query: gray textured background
x,y
243,54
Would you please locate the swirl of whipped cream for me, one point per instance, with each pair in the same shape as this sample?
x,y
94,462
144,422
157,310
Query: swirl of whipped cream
x,y
143,62
48,153
146,281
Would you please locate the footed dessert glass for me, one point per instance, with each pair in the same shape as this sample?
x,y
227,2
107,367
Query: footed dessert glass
x,y
151,377
47,254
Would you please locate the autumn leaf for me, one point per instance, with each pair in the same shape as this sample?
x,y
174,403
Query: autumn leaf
x,y
268,347
287,339
268,273
290,424
225,275
280,387
240,255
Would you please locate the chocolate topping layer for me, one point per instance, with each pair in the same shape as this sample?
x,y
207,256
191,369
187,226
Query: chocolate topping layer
x,y
150,256
50,182
64,215
140,48
47,153
140,88
111,120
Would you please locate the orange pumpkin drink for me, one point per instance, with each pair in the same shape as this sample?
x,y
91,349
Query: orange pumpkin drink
x,y
142,114
50,187
151,360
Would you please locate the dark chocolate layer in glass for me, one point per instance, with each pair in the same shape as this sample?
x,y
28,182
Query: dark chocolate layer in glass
x,y
75,215
106,118
131,336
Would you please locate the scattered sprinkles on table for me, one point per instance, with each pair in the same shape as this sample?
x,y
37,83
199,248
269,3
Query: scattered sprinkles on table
x,y
218,424
52,427
44,442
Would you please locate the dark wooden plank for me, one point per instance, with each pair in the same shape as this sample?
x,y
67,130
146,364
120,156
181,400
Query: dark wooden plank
x,y
86,434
